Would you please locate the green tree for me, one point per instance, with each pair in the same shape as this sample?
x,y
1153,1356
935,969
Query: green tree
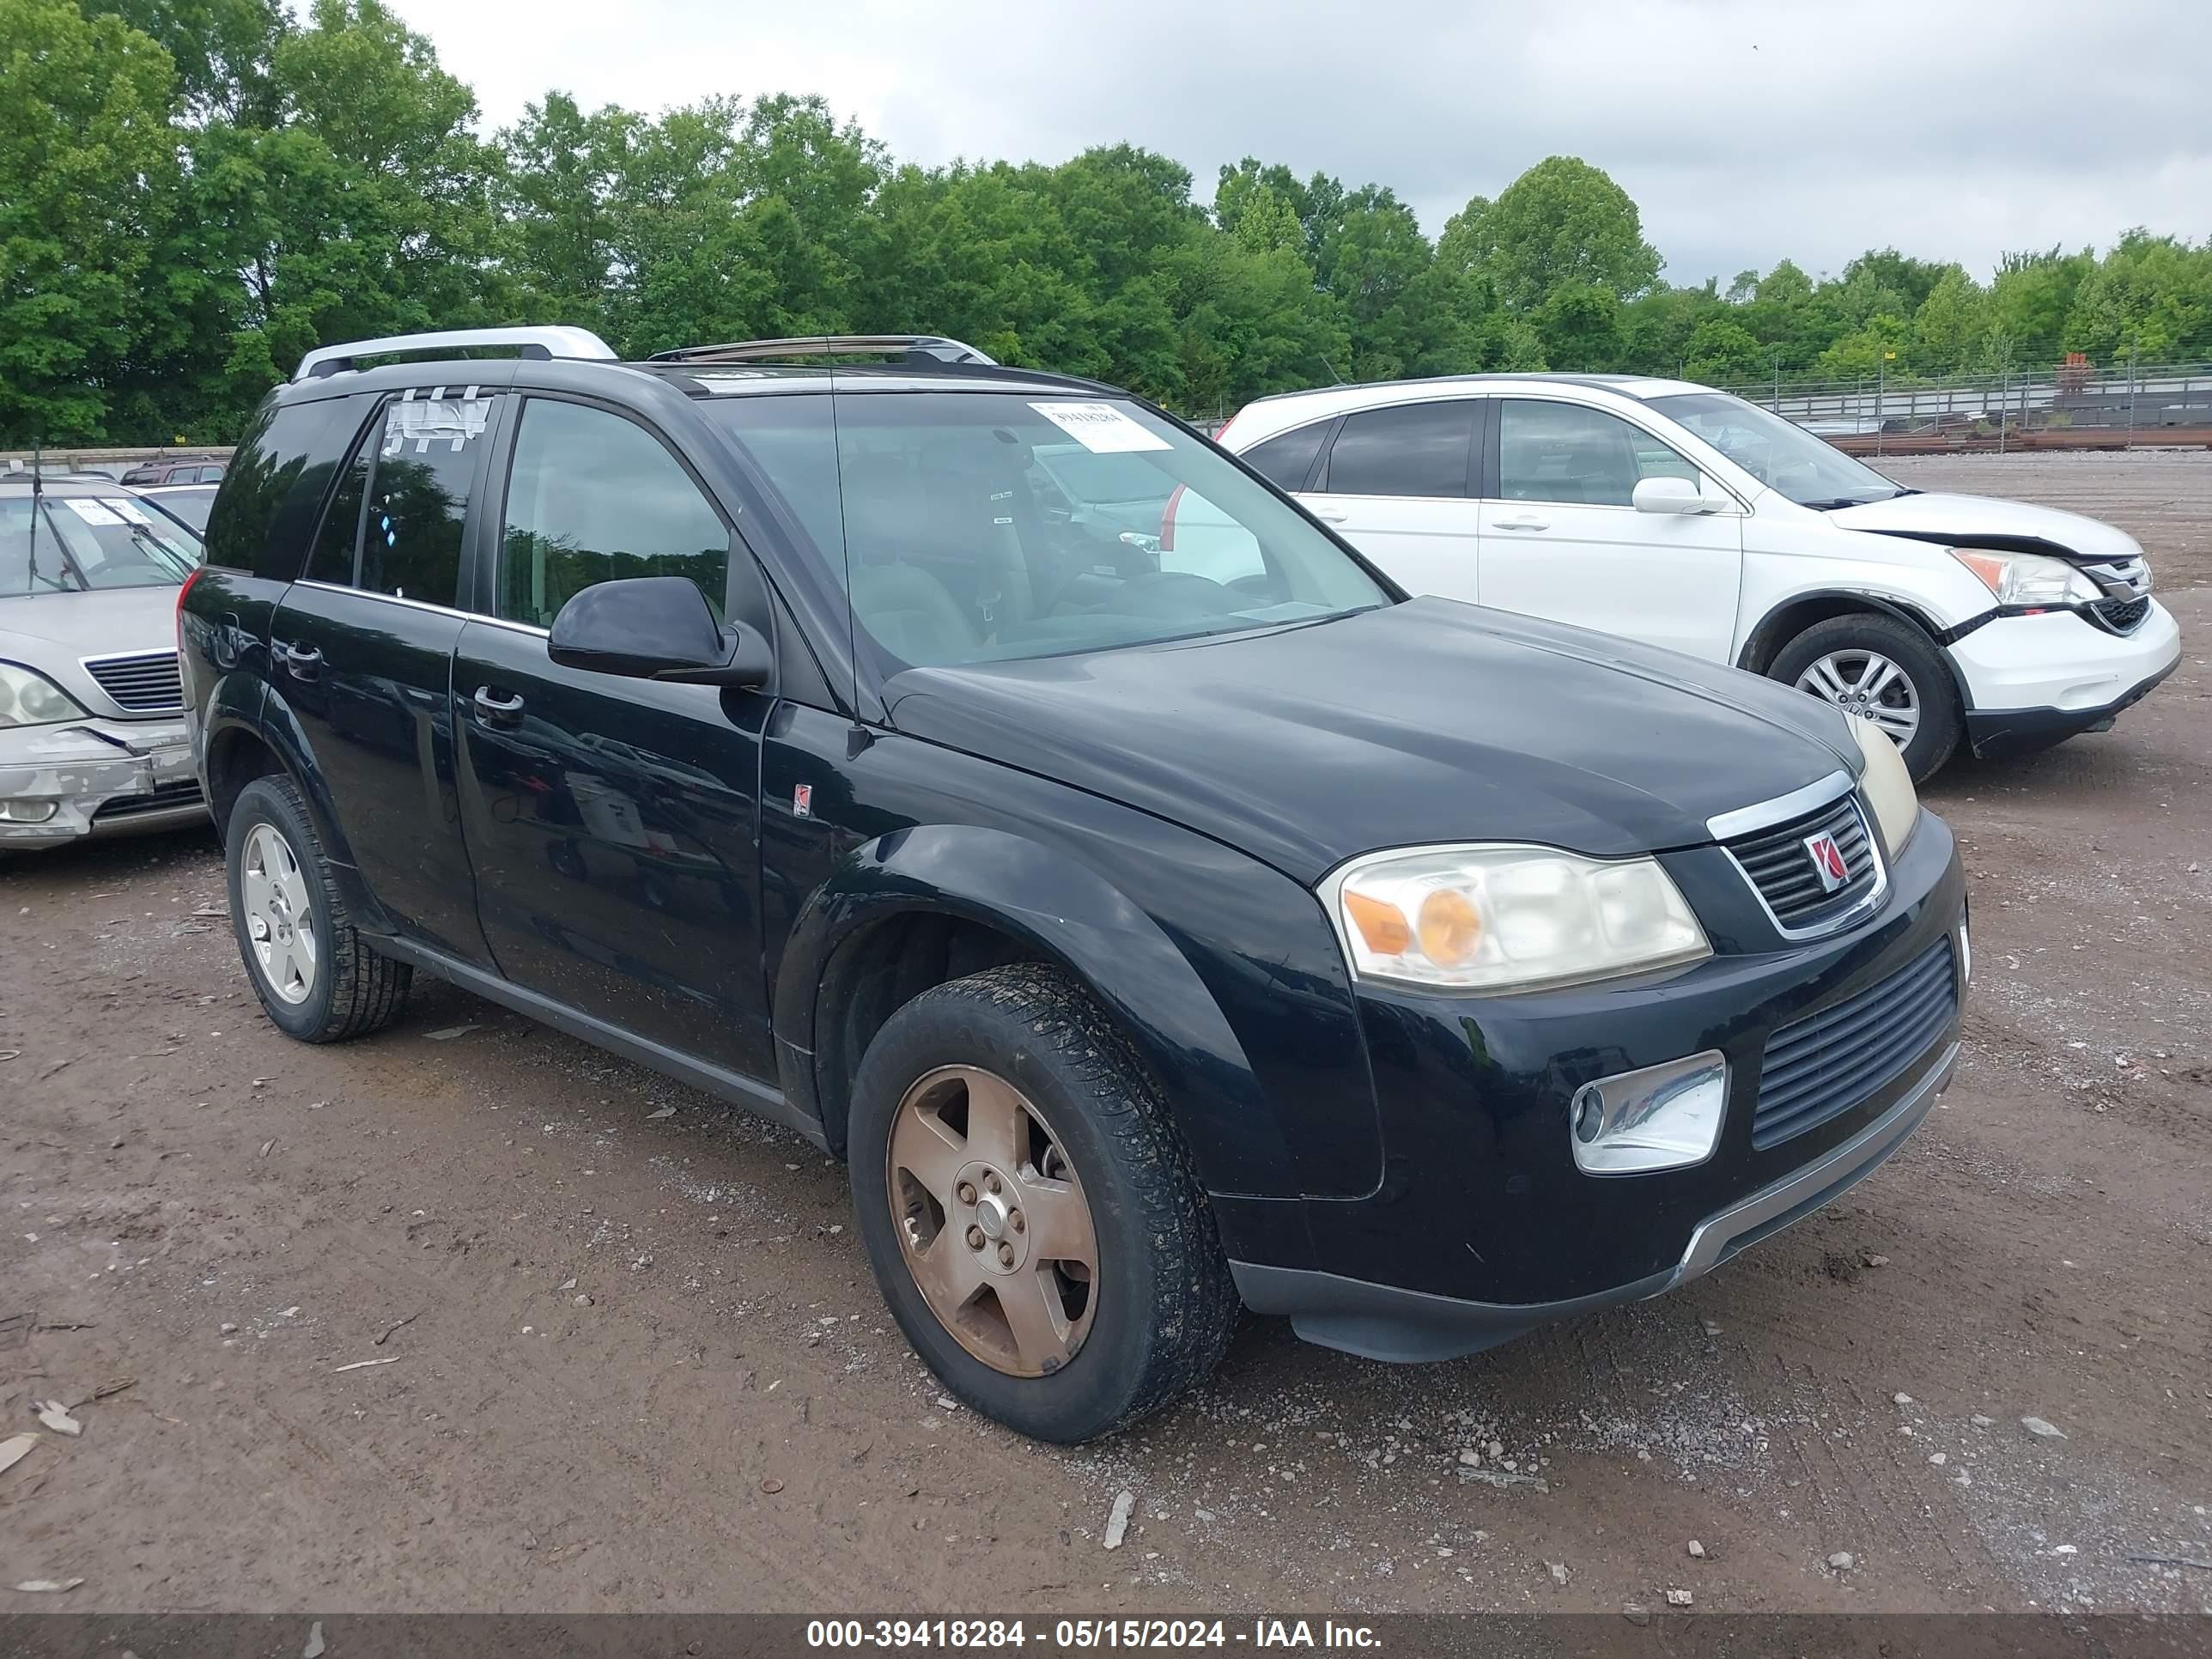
x,y
1579,328
2030,297
1723,352
88,166
1878,348
1951,330
1561,222
2149,300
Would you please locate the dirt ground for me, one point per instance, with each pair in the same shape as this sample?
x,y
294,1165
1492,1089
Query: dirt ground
x,y
625,1354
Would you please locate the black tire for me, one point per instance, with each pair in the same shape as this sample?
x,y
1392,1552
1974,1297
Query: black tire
x,y
1942,721
1166,1305
356,991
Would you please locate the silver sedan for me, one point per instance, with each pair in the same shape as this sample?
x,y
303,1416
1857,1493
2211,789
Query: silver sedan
x,y
92,732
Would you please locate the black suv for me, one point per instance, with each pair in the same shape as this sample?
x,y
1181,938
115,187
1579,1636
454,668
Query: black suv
x,y
1153,927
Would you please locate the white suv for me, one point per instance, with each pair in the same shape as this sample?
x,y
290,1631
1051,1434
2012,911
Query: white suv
x,y
1684,516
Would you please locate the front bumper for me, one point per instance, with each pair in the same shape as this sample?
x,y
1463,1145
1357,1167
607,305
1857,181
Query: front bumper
x,y
2035,681
1381,1322
1483,1227
96,778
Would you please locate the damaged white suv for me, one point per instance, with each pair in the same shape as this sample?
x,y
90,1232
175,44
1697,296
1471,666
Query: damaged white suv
x,y
1684,516
91,727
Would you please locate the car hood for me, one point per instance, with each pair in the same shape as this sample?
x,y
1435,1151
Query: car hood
x,y
1990,521
106,621
1414,723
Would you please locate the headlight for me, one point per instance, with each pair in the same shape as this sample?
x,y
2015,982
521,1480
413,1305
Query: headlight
x,y
1508,918
2028,578
1887,785
30,699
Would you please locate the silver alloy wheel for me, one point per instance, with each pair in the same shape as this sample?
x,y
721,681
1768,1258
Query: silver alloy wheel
x,y
272,890
1868,683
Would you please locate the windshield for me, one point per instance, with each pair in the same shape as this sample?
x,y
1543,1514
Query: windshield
x,y
960,530
83,542
1777,453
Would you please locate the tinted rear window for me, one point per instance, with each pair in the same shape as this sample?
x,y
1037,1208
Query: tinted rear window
x,y
1414,449
1284,461
267,506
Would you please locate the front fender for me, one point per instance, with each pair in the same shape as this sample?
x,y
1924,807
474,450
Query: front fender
x,y
1061,910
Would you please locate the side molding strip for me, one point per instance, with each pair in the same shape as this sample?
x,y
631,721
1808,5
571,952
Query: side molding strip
x,y
756,1098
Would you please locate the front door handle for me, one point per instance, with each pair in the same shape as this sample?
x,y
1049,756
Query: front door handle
x,y
495,710
304,662
1525,521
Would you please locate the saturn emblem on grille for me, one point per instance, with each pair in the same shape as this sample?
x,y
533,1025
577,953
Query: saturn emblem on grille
x,y
1827,861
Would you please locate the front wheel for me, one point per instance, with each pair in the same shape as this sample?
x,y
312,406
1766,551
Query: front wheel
x,y
1028,1209
1886,671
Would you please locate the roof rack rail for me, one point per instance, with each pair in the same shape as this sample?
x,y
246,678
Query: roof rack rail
x,y
554,341
919,348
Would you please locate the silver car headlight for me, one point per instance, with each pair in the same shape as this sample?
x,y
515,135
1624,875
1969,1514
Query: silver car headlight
x,y
1502,917
2028,578
29,698
1887,785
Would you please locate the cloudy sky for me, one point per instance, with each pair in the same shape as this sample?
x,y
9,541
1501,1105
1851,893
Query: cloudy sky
x,y
1746,132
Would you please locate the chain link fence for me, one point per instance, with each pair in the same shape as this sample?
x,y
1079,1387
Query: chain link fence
x,y
2070,406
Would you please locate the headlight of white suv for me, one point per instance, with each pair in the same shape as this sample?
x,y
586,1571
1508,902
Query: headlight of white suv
x,y
1887,785
29,698
2028,578
1508,918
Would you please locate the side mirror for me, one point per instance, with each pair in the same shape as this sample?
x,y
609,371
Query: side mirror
x,y
655,628
1669,496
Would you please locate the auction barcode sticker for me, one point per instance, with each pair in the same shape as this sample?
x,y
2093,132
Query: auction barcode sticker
x,y
1100,427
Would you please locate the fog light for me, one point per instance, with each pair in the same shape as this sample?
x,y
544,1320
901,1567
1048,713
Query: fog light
x,y
1663,1117
26,811
1965,952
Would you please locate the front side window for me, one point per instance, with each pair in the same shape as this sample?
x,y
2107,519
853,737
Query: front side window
x,y
1414,449
977,526
71,544
394,523
1780,454
592,498
1567,453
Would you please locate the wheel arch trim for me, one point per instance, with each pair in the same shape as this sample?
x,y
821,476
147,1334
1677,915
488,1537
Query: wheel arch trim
x,y
1772,633
1054,906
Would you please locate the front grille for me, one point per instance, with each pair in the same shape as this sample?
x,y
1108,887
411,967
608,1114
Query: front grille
x,y
1781,866
165,798
146,684
1825,1065
2122,615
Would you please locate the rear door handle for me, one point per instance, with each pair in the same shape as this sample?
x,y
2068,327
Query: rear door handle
x,y
1332,517
305,665
1525,521
493,710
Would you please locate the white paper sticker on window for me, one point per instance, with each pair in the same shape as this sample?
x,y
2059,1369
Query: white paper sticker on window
x,y
90,511
131,511
1100,427
449,421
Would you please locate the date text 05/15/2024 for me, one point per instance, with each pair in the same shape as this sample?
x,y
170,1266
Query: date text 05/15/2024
x,y
1086,1633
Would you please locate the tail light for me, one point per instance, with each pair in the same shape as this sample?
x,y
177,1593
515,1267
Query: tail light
x,y
1167,521
198,571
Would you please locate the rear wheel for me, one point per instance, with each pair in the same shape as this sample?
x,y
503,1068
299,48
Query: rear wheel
x,y
316,976
1887,671
1028,1209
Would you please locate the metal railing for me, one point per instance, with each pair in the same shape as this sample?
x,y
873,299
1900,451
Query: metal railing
x,y
2064,407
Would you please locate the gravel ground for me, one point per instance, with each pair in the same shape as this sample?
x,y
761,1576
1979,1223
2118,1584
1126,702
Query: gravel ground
x,y
629,1359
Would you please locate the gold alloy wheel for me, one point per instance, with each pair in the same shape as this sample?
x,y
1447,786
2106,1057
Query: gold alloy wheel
x,y
992,1220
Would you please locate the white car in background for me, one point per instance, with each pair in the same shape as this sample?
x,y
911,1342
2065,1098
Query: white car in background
x,y
1684,516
